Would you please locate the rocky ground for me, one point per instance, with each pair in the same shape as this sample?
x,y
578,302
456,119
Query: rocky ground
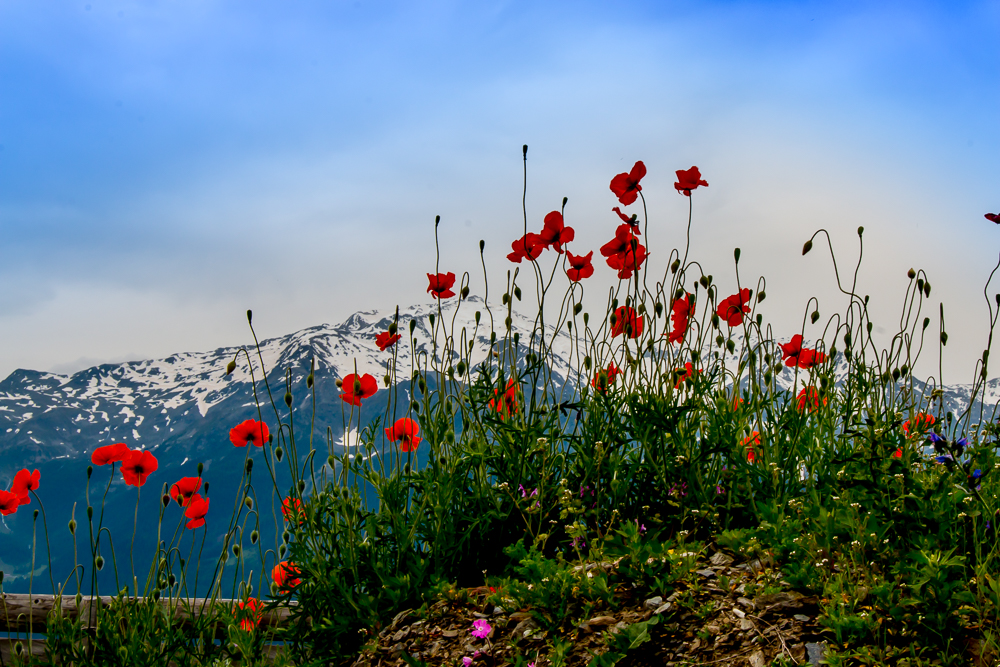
x,y
724,613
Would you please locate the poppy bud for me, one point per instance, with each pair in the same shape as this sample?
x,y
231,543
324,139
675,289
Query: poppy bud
x,y
99,562
814,316
920,284
715,321
90,471
895,374
736,255
431,319
869,327
586,319
565,201
524,150
414,406
465,292
517,336
927,289
406,468
482,245
493,337
230,367
72,526
807,246
944,337
278,453
310,381
413,325
34,514
719,340
507,322
911,274
517,292
90,512
847,337
206,488
165,500
587,362
903,370
437,220
730,345
461,368
998,299
676,264
281,553
761,296
248,501
506,298
200,468
288,395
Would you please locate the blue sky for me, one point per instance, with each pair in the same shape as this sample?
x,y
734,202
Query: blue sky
x,y
167,165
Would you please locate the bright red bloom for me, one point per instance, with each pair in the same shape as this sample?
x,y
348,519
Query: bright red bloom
x,y
794,355
355,389
404,431
251,613
138,466
110,454
808,399
292,507
626,186
196,510
686,373
184,490
555,233
250,431
898,453
624,252
921,422
580,267
631,221
749,442
386,340
682,310
626,322
24,482
8,502
605,378
284,575
440,284
506,405
993,217
732,308
688,180
528,247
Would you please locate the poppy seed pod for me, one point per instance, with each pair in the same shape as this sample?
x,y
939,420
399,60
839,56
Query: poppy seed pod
x,y
357,389
230,367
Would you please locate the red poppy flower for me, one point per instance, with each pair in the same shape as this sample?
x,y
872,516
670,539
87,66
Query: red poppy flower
x,y
440,285
292,507
24,482
626,322
626,186
682,310
528,247
355,389
808,399
631,221
687,372
605,378
386,340
110,454
250,431
251,613
732,308
555,233
794,355
184,490
921,422
138,466
196,511
8,502
580,267
689,180
404,431
993,217
506,405
898,453
624,252
284,575
749,442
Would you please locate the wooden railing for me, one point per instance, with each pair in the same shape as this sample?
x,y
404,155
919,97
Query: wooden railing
x,y
24,613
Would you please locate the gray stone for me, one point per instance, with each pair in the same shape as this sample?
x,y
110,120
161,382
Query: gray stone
x,y
814,652
653,602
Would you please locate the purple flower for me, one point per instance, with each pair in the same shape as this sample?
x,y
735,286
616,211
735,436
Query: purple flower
x,y
481,629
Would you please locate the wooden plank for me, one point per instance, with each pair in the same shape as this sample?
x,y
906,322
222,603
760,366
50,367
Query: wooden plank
x,y
19,611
